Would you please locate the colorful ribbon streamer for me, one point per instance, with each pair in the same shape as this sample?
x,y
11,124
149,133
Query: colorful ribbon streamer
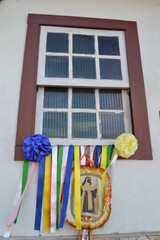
x,y
63,170
109,147
113,161
37,225
46,194
104,157
87,154
24,181
83,161
50,182
54,184
15,209
66,185
8,230
59,181
110,170
84,234
54,189
91,152
77,189
98,148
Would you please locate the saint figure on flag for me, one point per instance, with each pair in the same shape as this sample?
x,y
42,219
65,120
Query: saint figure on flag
x,y
88,196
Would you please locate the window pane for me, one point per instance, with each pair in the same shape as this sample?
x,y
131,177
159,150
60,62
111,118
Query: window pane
x,y
84,125
110,69
57,42
83,44
110,99
83,98
84,67
55,124
108,46
56,67
55,97
112,125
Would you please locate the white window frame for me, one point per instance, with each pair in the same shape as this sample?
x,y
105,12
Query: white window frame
x,y
71,82
77,82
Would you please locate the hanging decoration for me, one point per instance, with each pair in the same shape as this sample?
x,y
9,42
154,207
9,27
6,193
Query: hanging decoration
x,y
126,145
73,183
90,185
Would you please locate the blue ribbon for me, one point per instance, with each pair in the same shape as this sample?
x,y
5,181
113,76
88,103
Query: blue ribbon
x,y
98,148
66,185
112,147
37,225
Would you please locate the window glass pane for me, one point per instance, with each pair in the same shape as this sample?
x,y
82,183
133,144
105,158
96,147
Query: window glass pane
x,y
84,125
112,125
56,66
84,67
55,97
110,99
110,69
55,124
108,46
83,98
57,42
83,44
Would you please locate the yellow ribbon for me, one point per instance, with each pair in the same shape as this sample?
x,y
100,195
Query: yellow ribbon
x,y
77,189
104,176
46,194
102,186
104,157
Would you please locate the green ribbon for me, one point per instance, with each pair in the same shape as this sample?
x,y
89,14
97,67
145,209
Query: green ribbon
x,y
89,151
109,147
60,154
24,181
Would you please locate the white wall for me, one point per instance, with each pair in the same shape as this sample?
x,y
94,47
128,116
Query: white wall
x,y
136,184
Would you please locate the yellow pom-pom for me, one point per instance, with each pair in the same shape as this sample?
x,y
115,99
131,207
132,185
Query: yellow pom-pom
x,y
126,145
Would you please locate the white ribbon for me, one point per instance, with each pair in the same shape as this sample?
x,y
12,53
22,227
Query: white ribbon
x,y
54,189
99,159
111,167
84,234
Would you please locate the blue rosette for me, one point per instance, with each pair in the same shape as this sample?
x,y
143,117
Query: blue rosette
x,y
35,147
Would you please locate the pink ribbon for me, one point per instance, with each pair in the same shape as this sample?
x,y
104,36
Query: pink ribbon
x,y
91,152
15,209
83,161
54,188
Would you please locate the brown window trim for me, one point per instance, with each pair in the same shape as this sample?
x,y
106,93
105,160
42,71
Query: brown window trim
x,y
27,103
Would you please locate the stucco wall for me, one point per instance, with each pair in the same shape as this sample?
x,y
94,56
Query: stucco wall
x,y
136,184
